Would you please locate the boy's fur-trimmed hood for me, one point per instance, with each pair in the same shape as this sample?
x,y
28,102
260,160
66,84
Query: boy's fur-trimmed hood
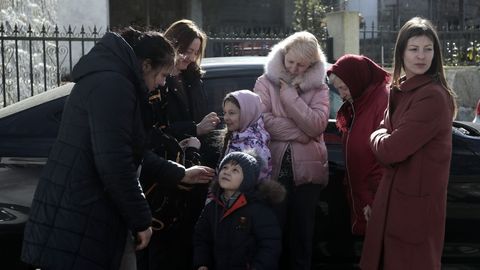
x,y
313,78
271,191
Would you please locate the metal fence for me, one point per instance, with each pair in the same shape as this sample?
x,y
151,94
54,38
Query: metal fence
x,y
34,60
459,46
258,42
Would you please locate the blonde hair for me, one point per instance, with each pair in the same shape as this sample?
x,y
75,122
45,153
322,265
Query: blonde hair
x,y
303,45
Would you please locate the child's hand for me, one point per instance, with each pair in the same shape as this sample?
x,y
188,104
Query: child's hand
x,y
190,142
203,268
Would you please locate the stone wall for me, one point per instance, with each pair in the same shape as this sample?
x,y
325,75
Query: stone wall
x,y
466,83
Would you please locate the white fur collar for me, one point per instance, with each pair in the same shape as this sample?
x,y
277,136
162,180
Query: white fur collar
x,y
313,78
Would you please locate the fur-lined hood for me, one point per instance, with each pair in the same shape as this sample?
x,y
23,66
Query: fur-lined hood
x,y
313,78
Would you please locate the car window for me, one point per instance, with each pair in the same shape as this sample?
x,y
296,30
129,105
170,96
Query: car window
x,y
217,88
335,101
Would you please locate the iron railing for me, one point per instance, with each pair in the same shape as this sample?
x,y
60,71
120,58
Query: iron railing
x,y
35,60
237,41
459,46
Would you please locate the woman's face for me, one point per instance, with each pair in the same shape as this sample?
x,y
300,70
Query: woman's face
x,y
294,65
418,56
343,89
154,77
231,116
190,55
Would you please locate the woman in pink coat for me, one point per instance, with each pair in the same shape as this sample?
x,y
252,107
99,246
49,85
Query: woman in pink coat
x,y
296,109
406,229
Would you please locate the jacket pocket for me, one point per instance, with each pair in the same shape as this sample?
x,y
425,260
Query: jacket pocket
x,y
84,192
407,217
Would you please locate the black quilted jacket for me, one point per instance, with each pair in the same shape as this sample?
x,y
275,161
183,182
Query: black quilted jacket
x,y
88,196
242,237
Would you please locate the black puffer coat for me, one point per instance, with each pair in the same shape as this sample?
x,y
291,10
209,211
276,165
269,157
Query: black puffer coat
x,y
245,236
187,103
88,196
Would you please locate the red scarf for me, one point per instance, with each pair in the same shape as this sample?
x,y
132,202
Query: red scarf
x,y
358,72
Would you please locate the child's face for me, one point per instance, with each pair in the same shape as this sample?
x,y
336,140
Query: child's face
x,y
231,116
230,177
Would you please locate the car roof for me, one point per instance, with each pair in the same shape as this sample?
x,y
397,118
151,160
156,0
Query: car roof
x,y
233,60
36,100
210,63
218,67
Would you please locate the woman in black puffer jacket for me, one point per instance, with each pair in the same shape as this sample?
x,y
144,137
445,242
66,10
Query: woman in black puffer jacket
x,y
88,203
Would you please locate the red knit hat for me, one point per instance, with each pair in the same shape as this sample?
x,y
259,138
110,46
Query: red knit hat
x,y
358,72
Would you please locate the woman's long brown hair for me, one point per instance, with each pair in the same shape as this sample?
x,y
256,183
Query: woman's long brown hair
x,y
421,27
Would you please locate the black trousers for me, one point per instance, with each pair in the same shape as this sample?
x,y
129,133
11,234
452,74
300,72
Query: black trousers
x,y
297,218
173,248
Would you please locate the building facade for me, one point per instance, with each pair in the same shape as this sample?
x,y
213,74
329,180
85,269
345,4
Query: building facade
x,y
443,13
213,15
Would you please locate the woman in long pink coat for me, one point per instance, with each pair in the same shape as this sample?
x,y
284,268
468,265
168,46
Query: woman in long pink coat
x,y
414,142
296,108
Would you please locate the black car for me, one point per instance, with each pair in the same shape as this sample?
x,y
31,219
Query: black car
x,y
29,127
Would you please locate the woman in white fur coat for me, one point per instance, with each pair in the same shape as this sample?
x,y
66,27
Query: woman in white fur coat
x,y
296,110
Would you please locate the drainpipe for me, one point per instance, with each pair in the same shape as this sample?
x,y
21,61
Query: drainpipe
x,y
147,13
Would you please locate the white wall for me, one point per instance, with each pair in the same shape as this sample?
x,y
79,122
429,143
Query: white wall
x,y
343,28
76,13
367,9
83,12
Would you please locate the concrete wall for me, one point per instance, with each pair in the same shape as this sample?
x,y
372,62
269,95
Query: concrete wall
x,y
85,12
466,83
343,27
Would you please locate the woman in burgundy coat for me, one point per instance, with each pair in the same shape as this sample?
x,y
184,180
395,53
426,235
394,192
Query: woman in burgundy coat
x,y
362,85
406,229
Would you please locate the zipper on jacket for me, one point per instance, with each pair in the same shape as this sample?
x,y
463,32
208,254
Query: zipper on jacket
x,y
291,161
354,211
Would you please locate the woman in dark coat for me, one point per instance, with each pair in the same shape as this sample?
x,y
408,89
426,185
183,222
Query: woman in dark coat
x,y
362,85
407,226
187,104
181,115
88,203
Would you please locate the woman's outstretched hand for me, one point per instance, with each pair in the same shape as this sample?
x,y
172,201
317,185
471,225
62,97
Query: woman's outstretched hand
x,y
193,142
208,123
143,238
198,175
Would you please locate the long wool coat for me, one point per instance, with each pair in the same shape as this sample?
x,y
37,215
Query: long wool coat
x,y
415,143
363,170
